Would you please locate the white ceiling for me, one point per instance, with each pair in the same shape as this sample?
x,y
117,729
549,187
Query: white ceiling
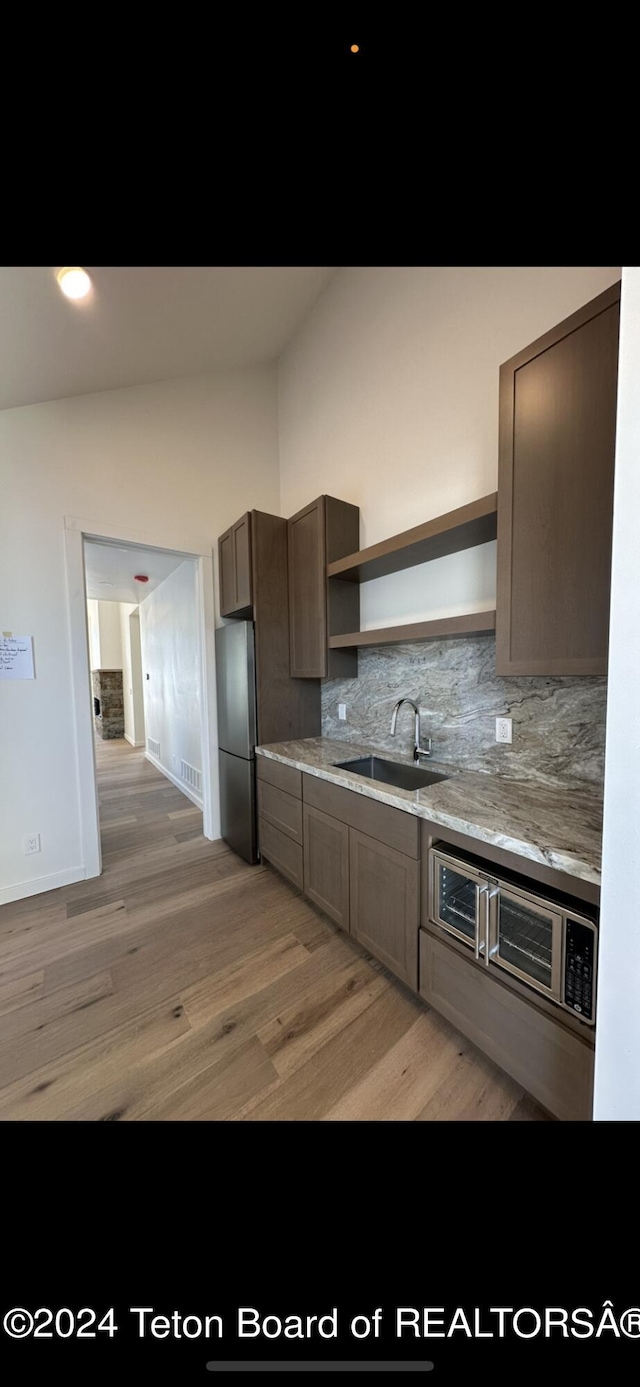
x,y
144,323
110,569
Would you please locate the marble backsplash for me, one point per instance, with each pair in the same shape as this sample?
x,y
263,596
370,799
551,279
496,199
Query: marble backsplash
x,y
558,724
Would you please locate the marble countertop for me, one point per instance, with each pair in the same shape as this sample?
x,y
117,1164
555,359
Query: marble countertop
x,y
560,828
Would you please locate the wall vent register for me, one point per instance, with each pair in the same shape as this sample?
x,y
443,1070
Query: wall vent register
x,y
153,746
191,776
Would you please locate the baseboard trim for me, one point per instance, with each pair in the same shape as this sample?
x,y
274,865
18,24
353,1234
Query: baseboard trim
x,y
131,741
175,780
22,889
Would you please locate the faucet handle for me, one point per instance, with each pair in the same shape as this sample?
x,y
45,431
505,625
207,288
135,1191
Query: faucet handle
x,y
423,750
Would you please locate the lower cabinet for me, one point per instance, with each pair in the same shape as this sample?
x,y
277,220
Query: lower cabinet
x,y
326,863
367,887
280,850
384,898
552,1064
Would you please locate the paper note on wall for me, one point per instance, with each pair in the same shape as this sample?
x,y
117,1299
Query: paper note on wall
x,y
16,657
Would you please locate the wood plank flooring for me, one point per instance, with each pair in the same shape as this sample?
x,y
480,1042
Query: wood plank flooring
x,y
183,984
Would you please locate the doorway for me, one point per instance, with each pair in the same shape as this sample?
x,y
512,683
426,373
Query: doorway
x,y
144,681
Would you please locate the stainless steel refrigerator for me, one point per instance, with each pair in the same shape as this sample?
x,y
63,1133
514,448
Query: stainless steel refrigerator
x,y
237,732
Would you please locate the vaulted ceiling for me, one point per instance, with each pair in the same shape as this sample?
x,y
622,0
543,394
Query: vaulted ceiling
x,y
144,323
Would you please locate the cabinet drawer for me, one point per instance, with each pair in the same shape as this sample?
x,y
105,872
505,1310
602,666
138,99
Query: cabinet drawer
x,y
282,810
281,851
283,777
551,1063
390,826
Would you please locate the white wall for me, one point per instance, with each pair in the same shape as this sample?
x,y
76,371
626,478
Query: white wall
x,y
617,1077
131,673
110,638
388,397
93,621
105,636
124,611
135,650
183,459
170,670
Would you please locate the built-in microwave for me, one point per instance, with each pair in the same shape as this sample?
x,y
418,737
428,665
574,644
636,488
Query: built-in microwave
x,y
542,942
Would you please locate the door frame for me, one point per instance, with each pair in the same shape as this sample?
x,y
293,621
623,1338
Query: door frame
x,y
144,537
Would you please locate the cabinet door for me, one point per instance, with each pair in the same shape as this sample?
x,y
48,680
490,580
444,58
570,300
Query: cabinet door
x,y
234,559
384,904
326,864
550,1061
226,568
307,592
242,561
555,496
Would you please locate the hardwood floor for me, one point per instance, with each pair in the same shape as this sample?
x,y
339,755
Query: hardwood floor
x,y
184,984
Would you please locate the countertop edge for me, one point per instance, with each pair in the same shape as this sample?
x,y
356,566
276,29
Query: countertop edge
x,y
556,860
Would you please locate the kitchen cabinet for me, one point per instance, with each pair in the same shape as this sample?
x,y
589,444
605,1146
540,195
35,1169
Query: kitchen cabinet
x,y
252,563
322,532
284,777
555,496
362,867
235,569
279,849
384,904
365,864
366,884
381,821
326,863
280,817
281,810
552,1063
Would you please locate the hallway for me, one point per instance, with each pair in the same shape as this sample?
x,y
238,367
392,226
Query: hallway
x,y
140,809
184,984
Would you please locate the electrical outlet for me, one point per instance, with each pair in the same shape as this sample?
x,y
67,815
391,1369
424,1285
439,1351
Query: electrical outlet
x,y
31,844
503,729
342,712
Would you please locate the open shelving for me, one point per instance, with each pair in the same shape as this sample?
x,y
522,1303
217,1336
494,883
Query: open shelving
x,y
471,623
463,528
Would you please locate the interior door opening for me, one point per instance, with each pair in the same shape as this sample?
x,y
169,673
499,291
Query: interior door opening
x,y
143,676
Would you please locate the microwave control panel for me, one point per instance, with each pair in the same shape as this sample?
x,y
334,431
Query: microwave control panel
x,y
579,968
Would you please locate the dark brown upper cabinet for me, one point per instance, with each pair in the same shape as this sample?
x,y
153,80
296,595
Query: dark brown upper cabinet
x,y
254,587
234,556
555,496
319,607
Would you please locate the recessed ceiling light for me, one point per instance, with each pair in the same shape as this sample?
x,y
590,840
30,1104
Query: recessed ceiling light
x,y
74,282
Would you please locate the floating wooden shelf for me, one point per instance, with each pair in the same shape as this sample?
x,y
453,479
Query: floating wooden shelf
x,y
471,624
459,529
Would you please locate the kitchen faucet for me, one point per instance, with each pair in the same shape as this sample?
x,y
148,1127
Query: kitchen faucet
x,y
418,749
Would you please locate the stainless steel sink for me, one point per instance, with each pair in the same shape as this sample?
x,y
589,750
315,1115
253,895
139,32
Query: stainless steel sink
x,y
391,772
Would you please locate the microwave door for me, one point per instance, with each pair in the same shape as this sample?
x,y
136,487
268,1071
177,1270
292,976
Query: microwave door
x,y
457,900
525,939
